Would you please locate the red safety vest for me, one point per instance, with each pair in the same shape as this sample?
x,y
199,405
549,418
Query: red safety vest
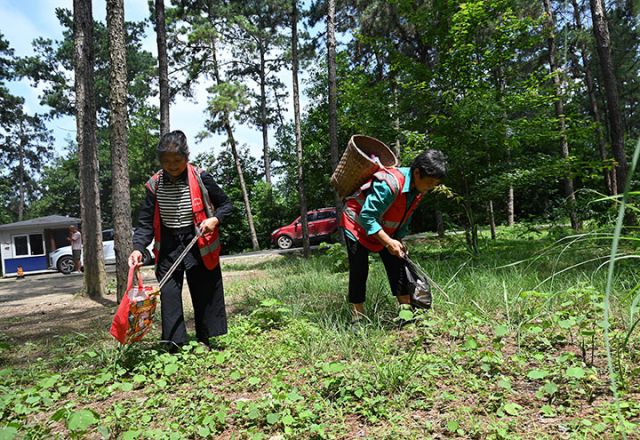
x,y
391,220
202,209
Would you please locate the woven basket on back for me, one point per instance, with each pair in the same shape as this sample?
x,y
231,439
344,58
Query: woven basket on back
x,y
356,165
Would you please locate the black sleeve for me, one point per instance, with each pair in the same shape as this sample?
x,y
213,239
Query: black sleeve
x,y
143,234
221,202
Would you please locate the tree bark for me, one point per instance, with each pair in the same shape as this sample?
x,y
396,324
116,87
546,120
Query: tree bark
x,y
21,145
471,230
511,207
280,112
121,201
94,273
616,129
243,187
333,101
263,119
296,118
471,227
440,224
609,175
163,69
492,220
567,182
396,119
500,92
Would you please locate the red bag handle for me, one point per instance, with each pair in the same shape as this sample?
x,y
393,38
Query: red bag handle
x,y
134,270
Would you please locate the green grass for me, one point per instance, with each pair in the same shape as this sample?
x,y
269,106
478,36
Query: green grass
x,y
511,351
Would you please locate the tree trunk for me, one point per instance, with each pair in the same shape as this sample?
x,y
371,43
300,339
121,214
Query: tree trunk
x,y
511,207
234,151
396,119
94,274
471,227
616,129
123,243
278,106
296,118
243,187
471,230
263,119
333,102
500,92
609,175
440,223
567,183
21,145
163,70
501,85
492,220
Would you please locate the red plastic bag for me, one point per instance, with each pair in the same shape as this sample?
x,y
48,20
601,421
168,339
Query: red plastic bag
x,y
135,313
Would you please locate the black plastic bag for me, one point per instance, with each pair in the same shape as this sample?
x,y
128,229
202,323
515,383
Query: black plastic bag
x,y
418,285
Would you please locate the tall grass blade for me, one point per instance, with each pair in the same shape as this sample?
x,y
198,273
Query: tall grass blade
x,y
607,295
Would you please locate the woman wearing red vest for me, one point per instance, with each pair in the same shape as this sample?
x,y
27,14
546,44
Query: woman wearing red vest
x,y
179,198
377,217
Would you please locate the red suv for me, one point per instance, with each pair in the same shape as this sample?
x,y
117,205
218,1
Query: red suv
x,y
322,223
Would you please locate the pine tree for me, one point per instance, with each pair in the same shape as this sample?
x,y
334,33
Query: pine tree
x,y
94,273
296,117
161,40
614,112
121,204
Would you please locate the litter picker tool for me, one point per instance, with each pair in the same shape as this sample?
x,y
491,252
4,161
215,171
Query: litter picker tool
x,y
176,263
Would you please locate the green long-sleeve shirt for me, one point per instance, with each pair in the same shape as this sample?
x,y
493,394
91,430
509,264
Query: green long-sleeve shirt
x,y
378,200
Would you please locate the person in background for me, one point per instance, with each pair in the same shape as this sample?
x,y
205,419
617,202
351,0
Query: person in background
x,y
181,200
377,217
75,238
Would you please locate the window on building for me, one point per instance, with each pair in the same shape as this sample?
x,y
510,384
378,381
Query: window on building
x,y
21,245
36,244
25,245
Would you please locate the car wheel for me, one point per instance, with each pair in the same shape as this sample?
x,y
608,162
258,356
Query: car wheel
x,y
284,242
65,264
147,258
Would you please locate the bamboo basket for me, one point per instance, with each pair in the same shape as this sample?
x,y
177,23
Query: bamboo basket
x,y
356,165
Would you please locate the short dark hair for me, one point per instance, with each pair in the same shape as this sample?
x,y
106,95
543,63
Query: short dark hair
x,y
430,163
173,142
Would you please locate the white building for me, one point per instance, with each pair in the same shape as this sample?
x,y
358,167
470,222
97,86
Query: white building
x,y
28,243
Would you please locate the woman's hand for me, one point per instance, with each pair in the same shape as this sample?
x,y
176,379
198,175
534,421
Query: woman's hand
x,y
209,224
395,247
135,259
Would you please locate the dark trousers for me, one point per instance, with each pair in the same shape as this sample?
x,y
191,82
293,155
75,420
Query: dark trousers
x,y
207,296
359,271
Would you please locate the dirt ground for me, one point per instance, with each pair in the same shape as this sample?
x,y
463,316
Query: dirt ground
x,y
40,307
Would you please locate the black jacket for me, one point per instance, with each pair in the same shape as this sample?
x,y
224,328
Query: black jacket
x,y
144,232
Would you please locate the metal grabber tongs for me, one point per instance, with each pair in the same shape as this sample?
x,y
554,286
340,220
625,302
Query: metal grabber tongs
x,y
176,263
